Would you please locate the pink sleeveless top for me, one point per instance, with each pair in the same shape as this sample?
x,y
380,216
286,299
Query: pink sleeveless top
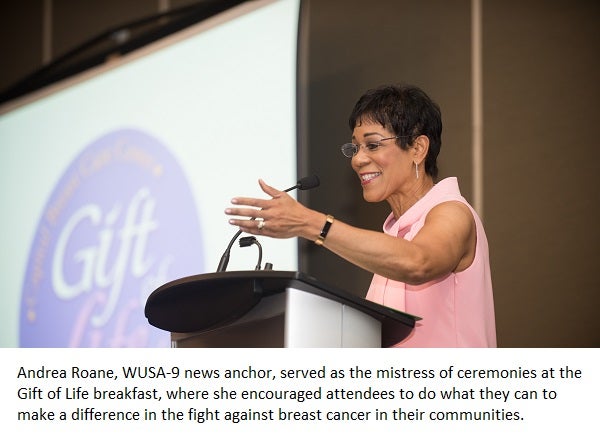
x,y
457,309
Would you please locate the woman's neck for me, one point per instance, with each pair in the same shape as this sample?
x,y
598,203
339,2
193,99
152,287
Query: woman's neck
x,y
403,201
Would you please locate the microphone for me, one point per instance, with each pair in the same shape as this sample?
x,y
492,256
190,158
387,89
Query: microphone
x,y
305,183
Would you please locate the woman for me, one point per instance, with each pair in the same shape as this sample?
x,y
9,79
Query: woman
x,y
432,258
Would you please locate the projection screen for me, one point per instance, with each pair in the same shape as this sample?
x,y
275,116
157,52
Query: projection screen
x,y
115,181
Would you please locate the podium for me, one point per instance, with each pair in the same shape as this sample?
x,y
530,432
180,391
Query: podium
x,y
267,308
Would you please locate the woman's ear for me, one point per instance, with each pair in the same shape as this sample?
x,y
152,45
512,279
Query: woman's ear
x,y
420,148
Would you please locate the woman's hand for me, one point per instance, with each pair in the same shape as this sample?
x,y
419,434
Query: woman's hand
x,y
279,217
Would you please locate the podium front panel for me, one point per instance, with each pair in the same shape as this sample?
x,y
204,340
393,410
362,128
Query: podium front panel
x,y
292,319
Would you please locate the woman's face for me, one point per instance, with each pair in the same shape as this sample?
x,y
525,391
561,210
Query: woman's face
x,y
385,171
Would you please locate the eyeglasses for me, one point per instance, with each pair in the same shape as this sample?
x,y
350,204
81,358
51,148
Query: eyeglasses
x,y
351,149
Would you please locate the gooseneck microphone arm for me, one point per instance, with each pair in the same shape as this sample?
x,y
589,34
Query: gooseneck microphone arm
x,y
225,257
306,183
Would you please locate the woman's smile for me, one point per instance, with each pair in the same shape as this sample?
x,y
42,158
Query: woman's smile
x,y
366,178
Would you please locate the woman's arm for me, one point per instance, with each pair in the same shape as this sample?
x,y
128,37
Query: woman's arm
x,y
445,243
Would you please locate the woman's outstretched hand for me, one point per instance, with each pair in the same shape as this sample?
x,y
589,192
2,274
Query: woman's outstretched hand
x,y
281,216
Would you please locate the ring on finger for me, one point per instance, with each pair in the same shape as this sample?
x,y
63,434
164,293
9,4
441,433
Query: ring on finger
x,y
261,224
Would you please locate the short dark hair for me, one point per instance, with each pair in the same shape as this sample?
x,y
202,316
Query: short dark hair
x,y
407,111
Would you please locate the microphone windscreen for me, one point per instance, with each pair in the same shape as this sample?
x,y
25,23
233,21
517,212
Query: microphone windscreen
x,y
308,182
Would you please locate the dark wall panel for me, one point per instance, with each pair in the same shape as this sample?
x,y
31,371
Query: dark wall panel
x,y
541,72
21,41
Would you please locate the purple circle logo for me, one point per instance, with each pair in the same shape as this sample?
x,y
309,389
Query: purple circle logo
x,y
121,221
